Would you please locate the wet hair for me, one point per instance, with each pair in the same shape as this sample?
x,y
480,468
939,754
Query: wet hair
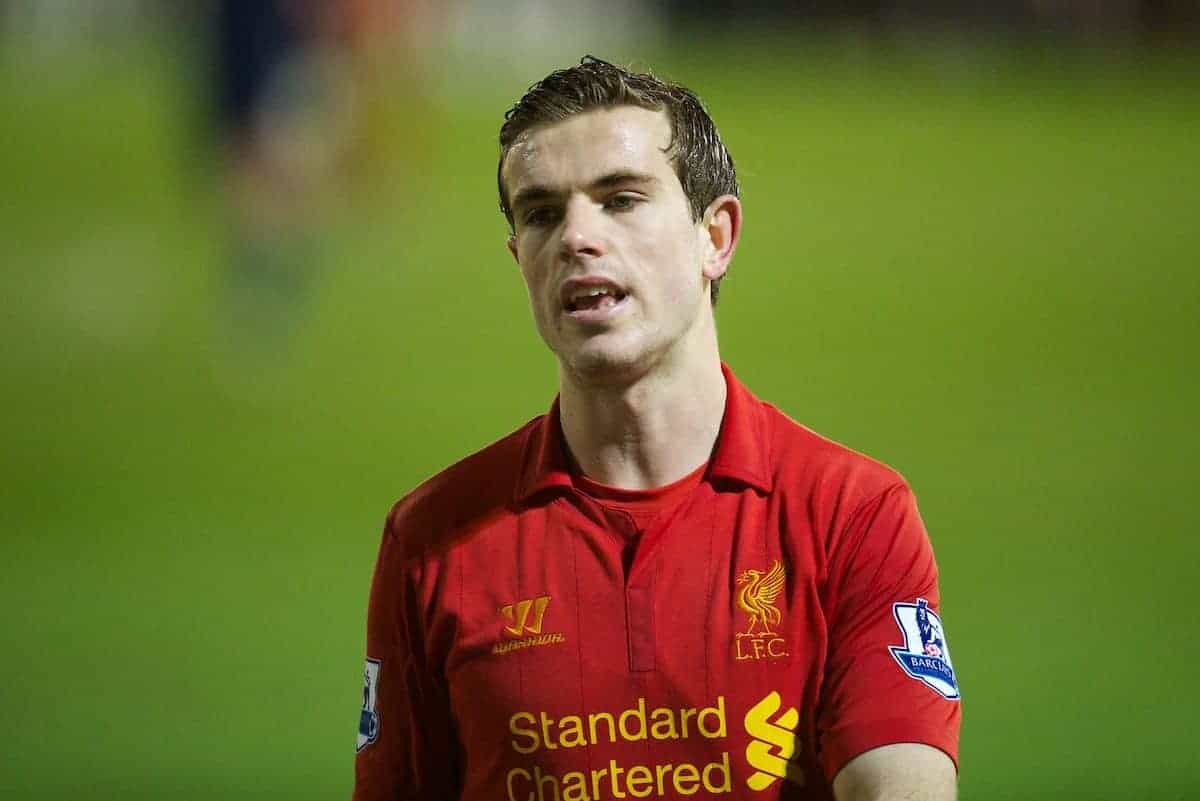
x,y
702,163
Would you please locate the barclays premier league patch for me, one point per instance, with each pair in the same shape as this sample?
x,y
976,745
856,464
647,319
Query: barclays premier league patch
x,y
925,655
368,718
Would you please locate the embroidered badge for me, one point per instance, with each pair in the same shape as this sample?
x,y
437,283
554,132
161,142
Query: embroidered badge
x,y
523,626
925,655
368,719
756,594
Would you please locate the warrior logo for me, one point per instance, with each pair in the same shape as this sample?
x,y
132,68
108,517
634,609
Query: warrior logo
x,y
925,655
368,718
756,596
523,626
519,621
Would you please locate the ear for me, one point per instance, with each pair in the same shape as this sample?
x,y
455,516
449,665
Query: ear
x,y
512,247
722,226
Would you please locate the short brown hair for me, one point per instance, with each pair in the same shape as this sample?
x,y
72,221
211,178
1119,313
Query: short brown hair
x,y
701,161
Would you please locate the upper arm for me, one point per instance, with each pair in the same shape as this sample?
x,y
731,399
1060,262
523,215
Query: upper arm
x,y
888,678
405,729
902,771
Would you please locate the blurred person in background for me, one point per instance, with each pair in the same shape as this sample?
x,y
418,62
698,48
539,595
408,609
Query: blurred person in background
x,y
295,96
278,92
663,586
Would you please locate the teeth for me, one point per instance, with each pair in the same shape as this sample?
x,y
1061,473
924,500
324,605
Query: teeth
x,y
591,292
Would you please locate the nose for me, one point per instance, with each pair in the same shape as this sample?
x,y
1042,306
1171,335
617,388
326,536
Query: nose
x,y
582,230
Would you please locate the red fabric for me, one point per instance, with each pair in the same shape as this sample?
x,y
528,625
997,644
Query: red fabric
x,y
506,625
642,506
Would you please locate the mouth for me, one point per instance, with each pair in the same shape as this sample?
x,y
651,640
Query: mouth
x,y
592,299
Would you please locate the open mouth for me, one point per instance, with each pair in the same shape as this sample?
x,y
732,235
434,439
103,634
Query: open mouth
x,y
595,298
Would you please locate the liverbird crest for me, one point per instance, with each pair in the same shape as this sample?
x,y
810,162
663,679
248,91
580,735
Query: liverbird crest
x,y
756,597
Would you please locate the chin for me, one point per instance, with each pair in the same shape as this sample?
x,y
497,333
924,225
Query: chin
x,y
605,363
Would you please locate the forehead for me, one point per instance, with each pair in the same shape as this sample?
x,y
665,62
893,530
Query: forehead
x,y
589,145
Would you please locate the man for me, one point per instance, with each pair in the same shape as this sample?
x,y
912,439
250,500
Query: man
x,y
663,587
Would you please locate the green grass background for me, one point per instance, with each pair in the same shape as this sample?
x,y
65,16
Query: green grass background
x,y
977,265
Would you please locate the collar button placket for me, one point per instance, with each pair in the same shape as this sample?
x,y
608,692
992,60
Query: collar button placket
x,y
639,614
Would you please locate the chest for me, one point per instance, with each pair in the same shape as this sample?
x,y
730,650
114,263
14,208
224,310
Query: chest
x,y
563,645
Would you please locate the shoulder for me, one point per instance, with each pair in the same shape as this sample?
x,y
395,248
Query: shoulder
x,y
808,465
474,489
862,513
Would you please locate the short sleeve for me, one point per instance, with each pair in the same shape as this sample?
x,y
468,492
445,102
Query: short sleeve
x,y
405,745
888,674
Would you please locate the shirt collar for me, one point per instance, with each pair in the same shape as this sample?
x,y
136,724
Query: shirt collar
x,y
743,449
544,458
741,453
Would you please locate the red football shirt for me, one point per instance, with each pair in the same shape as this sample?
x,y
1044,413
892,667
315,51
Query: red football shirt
x,y
778,621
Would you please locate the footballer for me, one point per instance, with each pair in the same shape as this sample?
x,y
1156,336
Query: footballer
x,y
663,587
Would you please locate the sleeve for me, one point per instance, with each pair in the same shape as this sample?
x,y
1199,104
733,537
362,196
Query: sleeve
x,y
888,675
406,746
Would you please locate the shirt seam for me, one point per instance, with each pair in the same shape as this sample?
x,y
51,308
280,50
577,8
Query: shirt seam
x,y
857,514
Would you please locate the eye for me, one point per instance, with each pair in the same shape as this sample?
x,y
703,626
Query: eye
x,y
623,202
540,216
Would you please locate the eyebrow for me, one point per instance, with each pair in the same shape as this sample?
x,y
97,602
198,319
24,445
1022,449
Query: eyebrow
x,y
537,193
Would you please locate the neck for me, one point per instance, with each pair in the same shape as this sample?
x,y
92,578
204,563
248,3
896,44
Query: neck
x,y
648,431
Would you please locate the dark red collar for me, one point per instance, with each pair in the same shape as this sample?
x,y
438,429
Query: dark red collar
x,y
741,454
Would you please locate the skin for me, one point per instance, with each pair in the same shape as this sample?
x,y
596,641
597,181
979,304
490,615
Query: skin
x,y
641,390
899,772
641,393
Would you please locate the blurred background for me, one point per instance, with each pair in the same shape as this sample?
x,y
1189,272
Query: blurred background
x,y
254,289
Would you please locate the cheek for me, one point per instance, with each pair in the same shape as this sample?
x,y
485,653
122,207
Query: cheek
x,y
535,284
530,283
675,267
